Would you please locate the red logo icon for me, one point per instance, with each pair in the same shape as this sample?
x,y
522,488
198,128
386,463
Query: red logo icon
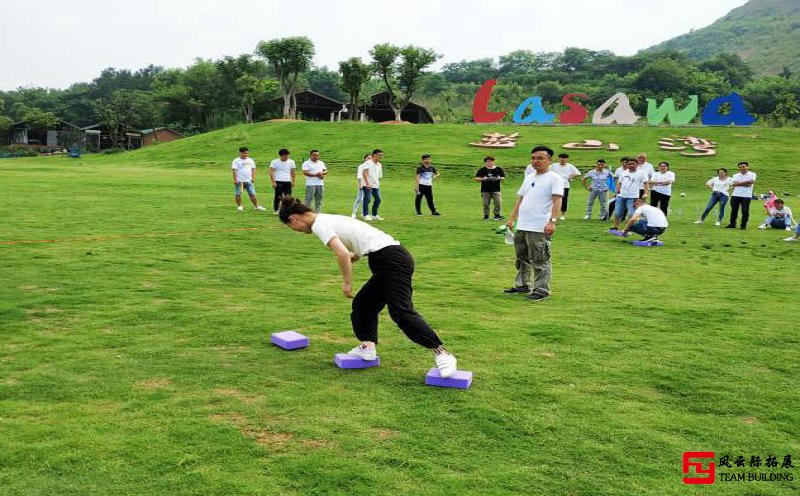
x,y
708,474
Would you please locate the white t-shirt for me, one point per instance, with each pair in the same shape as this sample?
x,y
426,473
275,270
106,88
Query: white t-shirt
x,y
743,191
283,170
658,177
720,185
243,168
619,170
537,192
314,168
565,172
647,168
359,237
630,183
360,173
652,215
374,174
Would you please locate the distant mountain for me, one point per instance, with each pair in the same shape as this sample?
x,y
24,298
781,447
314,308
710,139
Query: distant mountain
x,y
765,33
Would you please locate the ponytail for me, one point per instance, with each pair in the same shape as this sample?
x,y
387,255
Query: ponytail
x,y
290,206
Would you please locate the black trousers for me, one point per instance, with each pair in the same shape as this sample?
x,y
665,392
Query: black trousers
x,y
565,201
736,202
390,285
281,188
660,200
427,192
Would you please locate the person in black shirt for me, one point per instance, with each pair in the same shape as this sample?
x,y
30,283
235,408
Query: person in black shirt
x,y
423,185
490,176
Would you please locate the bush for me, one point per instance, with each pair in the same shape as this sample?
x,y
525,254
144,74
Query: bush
x,y
15,151
110,151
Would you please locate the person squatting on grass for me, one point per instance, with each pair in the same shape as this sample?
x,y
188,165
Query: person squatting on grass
x,y
423,185
779,216
598,190
537,207
631,184
647,220
359,193
315,171
390,284
282,175
244,175
370,185
720,191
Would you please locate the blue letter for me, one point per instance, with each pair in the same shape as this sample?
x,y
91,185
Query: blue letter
x,y
538,113
738,116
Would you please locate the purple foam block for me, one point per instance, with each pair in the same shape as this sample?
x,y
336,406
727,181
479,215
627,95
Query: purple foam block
x,y
648,243
345,361
616,232
289,340
462,379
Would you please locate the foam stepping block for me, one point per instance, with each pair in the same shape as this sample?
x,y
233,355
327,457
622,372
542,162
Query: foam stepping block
x,y
345,361
462,379
616,232
648,243
289,340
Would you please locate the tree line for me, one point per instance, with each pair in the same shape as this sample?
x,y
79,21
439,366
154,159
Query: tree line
x,y
211,94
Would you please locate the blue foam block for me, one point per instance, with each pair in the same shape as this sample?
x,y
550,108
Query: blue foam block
x,y
616,232
648,243
462,379
345,361
289,340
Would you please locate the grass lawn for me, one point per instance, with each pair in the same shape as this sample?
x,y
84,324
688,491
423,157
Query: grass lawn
x,y
137,303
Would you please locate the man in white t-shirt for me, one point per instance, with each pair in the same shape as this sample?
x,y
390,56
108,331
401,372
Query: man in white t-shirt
x,y
743,182
629,187
647,221
282,174
360,194
370,185
315,171
244,175
390,285
645,166
535,213
568,172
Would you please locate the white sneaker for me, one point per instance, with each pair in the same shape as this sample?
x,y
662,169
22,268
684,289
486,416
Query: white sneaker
x,y
717,223
275,213
240,208
353,216
563,217
788,228
378,217
259,207
762,226
364,353
586,217
367,217
446,363
700,222
790,238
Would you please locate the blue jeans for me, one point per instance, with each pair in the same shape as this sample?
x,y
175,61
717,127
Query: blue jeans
x,y
716,197
642,228
622,206
237,189
369,194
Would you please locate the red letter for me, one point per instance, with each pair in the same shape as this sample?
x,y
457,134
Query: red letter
x,y
577,112
479,111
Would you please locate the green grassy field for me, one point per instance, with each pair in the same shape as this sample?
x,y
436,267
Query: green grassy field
x,y
134,342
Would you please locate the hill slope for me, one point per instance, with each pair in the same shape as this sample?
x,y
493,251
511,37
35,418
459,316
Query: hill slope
x,y
765,33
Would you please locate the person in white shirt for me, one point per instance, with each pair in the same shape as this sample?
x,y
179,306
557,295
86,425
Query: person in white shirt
x,y
645,166
370,185
535,213
568,172
315,171
632,184
360,194
647,220
392,268
661,187
720,189
244,176
779,216
743,182
282,175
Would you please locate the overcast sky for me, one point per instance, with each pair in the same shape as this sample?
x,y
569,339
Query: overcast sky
x,y
54,43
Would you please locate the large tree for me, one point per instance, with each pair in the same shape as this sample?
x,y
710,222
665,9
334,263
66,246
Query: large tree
x,y
354,74
401,77
289,57
124,110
